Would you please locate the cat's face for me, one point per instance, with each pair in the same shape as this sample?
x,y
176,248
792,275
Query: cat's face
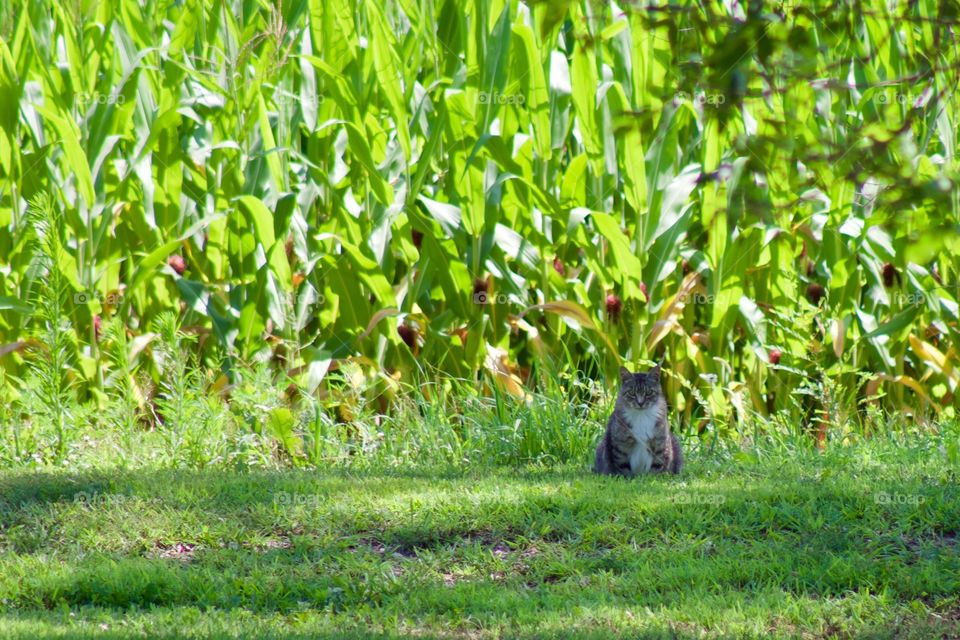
x,y
640,389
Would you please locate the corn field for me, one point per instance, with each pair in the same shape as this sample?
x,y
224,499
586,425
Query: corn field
x,y
379,194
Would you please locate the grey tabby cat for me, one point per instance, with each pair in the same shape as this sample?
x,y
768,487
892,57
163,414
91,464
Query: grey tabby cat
x,y
638,438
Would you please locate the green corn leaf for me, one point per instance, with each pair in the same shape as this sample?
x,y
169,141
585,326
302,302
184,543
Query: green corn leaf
x,y
537,97
628,266
76,158
388,71
584,78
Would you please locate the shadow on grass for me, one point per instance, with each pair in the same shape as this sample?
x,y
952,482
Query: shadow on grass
x,y
537,552
110,626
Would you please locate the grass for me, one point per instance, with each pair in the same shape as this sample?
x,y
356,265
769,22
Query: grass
x,y
780,541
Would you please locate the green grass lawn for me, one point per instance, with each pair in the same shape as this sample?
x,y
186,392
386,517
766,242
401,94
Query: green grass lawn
x,y
860,541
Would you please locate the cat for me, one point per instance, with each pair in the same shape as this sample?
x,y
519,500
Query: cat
x,y
638,438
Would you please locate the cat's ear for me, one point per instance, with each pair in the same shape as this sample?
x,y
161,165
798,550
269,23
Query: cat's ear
x,y
624,374
655,372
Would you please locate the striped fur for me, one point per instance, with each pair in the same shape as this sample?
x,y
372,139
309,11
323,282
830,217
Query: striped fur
x,y
638,438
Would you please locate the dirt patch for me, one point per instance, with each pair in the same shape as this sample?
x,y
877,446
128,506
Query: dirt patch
x,y
499,543
922,547
451,579
372,545
368,544
516,558
274,544
182,551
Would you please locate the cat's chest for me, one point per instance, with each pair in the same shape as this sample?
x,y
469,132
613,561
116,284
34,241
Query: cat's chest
x,y
642,424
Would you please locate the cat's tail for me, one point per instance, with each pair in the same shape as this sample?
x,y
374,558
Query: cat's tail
x,y
677,462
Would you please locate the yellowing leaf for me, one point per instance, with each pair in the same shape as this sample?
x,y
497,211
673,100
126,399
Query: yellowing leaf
x,y
909,382
838,333
498,365
377,317
671,312
575,312
936,359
